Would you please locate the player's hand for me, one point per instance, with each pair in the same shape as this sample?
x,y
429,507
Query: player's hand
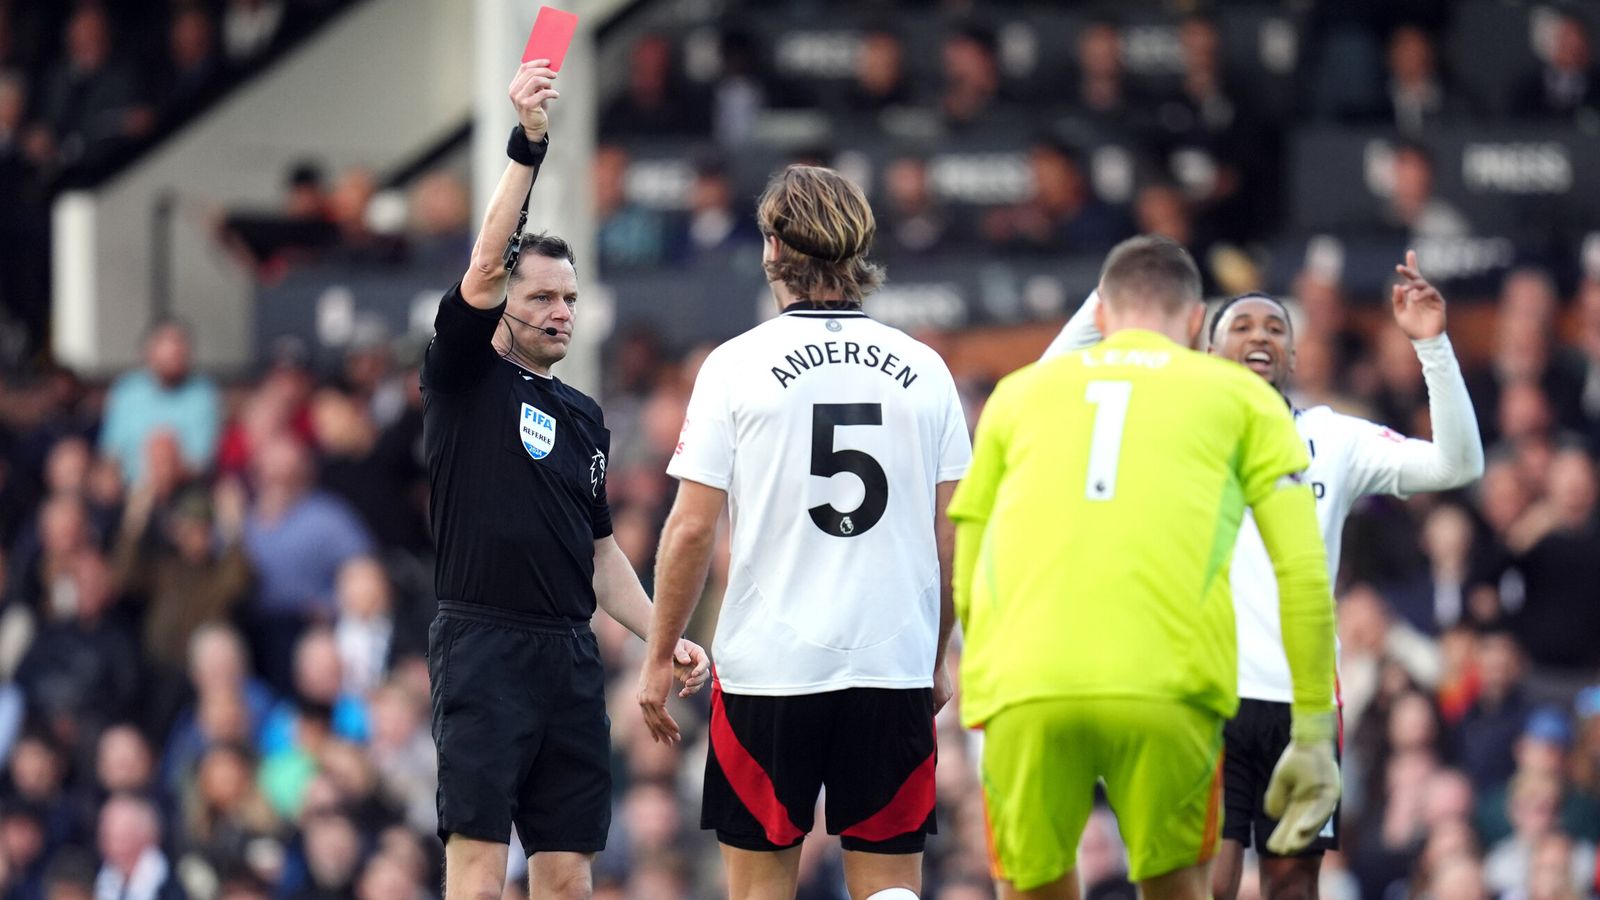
x,y
943,687
1304,790
655,682
690,665
531,91
1418,305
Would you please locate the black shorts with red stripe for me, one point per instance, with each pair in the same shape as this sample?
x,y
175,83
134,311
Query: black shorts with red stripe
x,y
874,750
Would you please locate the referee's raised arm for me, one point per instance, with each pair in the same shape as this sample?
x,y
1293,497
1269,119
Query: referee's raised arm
x,y
484,284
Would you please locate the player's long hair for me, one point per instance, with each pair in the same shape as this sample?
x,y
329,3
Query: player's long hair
x,y
824,227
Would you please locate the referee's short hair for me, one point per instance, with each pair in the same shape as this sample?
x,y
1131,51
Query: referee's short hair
x,y
541,243
824,228
1149,272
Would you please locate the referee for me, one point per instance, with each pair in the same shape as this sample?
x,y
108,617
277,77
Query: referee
x,y
516,464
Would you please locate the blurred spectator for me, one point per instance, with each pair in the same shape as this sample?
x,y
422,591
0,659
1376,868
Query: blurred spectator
x,y
1162,209
165,394
655,101
297,537
23,847
280,405
971,76
122,764
269,242
1541,748
1419,99
41,574
1061,213
1413,206
349,206
1102,91
250,28
1488,731
440,230
1447,540
82,670
70,876
740,93
318,682
224,811
714,226
133,864
911,221
365,627
1567,83
185,578
369,474
194,67
402,750
306,196
1524,351
91,104
333,857
630,235
1555,547
1535,800
37,772
880,74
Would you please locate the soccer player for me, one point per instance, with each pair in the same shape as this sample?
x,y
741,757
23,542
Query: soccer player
x,y
1093,535
836,442
1350,458
516,467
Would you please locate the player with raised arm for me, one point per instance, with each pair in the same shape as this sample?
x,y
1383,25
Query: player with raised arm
x,y
1350,458
835,441
1093,533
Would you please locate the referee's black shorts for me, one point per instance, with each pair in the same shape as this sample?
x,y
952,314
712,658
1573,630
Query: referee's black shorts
x,y
1252,743
873,748
519,717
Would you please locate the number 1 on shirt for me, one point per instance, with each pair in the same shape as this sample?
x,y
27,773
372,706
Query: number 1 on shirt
x,y
1110,399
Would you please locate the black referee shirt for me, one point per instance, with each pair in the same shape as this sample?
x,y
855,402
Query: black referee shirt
x,y
517,465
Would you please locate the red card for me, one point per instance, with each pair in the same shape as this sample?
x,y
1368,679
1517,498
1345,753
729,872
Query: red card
x,y
552,34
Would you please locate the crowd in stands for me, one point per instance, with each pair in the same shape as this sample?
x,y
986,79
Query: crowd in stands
x,y
84,85
213,619
1204,140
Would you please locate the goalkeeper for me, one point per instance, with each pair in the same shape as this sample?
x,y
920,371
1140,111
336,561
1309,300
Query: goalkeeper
x,y
1094,531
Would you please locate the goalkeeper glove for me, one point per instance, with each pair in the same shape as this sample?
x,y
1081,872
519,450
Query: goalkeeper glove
x,y
1304,790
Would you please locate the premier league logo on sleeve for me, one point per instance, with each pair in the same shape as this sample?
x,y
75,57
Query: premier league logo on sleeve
x,y
538,431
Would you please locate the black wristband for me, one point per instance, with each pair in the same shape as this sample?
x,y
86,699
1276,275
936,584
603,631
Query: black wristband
x,y
524,151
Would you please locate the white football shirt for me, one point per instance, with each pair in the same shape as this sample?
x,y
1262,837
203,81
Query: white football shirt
x,y
829,431
1350,458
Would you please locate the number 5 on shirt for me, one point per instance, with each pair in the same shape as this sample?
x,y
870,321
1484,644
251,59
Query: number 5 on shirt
x,y
1110,399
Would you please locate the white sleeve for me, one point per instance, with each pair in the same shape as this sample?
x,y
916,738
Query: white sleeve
x,y
1080,330
705,445
1385,463
955,443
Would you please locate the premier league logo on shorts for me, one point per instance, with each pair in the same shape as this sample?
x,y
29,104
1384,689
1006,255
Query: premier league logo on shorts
x,y
538,431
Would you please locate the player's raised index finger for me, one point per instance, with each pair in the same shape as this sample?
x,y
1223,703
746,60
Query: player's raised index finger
x,y
1411,261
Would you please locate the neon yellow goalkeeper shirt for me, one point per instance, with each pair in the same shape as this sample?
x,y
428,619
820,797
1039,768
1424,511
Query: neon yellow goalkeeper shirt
x,y
1106,490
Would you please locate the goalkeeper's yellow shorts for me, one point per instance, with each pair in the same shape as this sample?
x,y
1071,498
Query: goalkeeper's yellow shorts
x,y
1161,762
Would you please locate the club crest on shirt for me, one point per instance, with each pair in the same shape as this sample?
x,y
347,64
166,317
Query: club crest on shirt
x,y
538,430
